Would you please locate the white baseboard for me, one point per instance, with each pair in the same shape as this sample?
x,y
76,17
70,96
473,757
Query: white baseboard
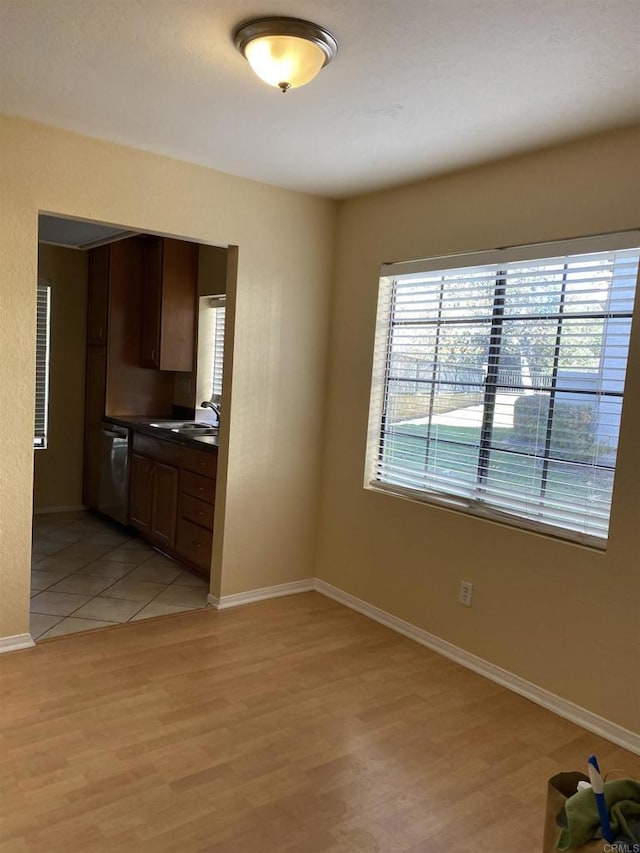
x,y
17,641
575,713
43,510
235,600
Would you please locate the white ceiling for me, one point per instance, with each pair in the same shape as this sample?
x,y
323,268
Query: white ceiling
x,y
419,87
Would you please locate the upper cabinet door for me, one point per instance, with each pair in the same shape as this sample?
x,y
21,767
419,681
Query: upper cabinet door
x,y
170,304
98,302
151,302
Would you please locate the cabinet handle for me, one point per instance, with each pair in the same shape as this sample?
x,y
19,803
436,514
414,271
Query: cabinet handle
x,y
101,332
196,544
153,355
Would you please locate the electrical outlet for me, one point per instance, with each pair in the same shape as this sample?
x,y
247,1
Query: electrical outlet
x,y
466,589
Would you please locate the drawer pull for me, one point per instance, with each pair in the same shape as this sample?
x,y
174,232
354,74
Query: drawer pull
x,y
196,544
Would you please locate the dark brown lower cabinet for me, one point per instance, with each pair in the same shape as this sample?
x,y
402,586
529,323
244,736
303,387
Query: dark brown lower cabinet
x,y
140,492
164,505
196,508
153,500
91,479
194,544
171,498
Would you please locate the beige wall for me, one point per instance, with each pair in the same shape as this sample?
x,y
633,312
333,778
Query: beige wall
x,y
537,601
58,468
272,431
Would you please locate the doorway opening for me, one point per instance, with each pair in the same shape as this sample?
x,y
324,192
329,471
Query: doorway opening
x,y
126,454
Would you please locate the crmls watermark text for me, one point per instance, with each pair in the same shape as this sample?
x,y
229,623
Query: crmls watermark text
x,y
622,847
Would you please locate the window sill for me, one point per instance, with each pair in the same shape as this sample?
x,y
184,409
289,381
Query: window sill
x,y
459,505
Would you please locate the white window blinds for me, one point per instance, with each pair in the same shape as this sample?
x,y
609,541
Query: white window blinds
x,y
43,313
498,387
218,346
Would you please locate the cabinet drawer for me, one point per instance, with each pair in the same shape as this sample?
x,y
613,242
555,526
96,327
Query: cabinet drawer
x,y
162,451
199,461
197,486
196,511
194,543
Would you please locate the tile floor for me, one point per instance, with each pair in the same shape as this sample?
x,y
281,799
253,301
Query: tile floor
x,y
88,572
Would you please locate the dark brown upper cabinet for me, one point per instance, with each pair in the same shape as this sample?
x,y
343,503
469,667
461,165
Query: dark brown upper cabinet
x,y
98,305
169,304
116,382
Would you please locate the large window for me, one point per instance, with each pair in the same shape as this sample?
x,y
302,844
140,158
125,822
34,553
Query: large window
x,y
499,379
43,316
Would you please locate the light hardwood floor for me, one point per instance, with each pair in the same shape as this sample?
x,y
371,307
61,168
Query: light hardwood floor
x,y
289,725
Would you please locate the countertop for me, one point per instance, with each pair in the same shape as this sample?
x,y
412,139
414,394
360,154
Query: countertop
x,y
143,424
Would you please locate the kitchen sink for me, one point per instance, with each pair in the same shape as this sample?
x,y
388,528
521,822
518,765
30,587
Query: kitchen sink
x,y
194,431
193,428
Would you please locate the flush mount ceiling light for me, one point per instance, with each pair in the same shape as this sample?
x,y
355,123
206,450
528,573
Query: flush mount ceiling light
x,y
285,52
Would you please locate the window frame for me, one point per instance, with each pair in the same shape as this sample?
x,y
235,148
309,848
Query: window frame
x,y
628,240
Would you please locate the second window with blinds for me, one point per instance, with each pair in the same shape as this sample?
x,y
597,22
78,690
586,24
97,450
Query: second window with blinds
x,y
43,322
211,318
498,382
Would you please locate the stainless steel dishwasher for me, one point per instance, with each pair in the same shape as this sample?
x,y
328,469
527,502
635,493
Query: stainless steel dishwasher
x,y
113,498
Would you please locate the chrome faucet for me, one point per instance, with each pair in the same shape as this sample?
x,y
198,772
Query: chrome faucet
x,y
207,404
